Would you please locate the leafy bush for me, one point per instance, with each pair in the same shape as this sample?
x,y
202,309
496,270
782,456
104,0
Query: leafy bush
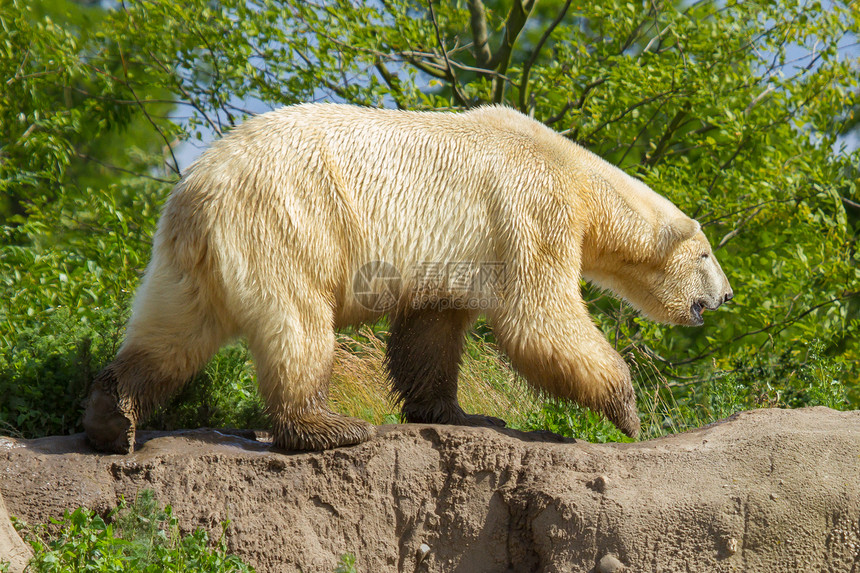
x,y
224,394
45,374
143,537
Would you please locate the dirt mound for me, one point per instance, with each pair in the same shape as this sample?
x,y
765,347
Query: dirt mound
x,y
769,490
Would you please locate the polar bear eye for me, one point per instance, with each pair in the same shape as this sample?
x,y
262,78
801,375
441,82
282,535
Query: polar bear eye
x,y
705,255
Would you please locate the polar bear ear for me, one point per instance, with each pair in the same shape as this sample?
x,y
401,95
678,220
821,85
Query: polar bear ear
x,y
674,231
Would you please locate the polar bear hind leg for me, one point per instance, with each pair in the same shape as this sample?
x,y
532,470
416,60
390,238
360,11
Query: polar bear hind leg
x,y
293,344
174,329
423,358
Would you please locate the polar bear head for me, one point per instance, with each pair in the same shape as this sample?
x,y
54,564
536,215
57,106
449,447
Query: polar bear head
x,y
683,283
644,249
672,279
673,283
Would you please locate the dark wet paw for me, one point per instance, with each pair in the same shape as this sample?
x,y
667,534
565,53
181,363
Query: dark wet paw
x,y
484,421
108,428
322,432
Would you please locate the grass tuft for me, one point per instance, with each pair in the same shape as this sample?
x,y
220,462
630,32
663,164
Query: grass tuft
x,y
487,384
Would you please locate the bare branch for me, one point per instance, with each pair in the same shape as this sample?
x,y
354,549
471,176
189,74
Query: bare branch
x,y
740,224
431,69
433,62
524,81
587,90
215,91
561,113
850,203
656,39
455,87
663,144
578,105
726,164
178,84
642,131
122,169
391,81
127,83
342,92
758,99
626,111
480,39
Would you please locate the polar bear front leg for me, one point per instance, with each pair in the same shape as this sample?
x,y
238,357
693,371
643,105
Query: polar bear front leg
x,y
565,355
423,359
293,347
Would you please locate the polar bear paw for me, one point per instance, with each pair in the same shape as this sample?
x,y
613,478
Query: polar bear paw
x,y
322,430
621,410
109,428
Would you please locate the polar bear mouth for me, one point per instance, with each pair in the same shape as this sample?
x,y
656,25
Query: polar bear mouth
x,y
696,310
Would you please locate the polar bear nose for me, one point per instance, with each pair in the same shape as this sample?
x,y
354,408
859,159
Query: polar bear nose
x,y
728,296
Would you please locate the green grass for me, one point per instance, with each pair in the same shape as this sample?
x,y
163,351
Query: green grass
x,y
487,383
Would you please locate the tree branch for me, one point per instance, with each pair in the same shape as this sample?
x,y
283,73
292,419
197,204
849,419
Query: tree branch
x,y
480,39
449,71
726,163
660,149
535,53
642,131
517,17
734,232
391,81
127,83
342,92
561,113
188,96
434,70
122,169
626,111
850,203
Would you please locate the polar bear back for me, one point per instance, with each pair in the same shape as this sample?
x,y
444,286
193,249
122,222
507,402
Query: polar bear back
x,y
363,185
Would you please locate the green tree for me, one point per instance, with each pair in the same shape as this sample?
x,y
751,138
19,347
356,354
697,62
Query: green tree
x,y
730,109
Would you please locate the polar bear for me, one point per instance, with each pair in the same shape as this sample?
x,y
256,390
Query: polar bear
x,y
275,231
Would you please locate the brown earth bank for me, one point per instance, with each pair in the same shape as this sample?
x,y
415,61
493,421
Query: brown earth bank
x,y
767,490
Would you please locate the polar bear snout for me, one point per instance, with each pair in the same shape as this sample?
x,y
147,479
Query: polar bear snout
x,y
708,303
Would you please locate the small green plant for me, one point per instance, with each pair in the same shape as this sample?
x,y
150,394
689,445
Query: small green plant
x,y
346,564
143,537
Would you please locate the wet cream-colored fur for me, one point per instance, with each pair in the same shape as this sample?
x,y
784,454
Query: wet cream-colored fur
x,y
267,231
